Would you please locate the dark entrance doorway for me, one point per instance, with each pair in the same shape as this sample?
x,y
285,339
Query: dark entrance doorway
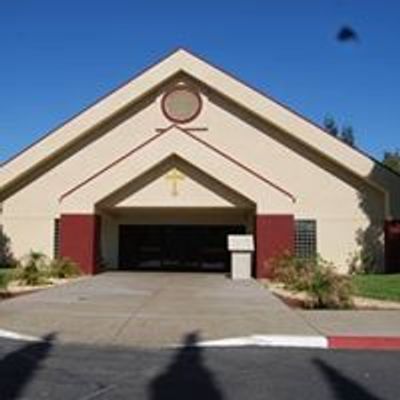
x,y
175,247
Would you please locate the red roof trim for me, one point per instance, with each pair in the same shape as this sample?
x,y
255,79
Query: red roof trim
x,y
238,163
114,163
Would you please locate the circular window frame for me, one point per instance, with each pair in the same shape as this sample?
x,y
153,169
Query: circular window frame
x,y
184,88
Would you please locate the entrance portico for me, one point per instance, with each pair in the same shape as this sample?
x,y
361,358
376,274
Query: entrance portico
x,y
174,215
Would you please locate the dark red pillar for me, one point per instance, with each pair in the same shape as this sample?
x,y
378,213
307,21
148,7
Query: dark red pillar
x,y
80,240
274,237
392,246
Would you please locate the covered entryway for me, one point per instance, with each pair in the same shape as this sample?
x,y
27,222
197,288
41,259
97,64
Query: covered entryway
x,y
175,247
150,220
158,223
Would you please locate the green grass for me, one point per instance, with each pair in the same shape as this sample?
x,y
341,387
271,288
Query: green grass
x,y
383,287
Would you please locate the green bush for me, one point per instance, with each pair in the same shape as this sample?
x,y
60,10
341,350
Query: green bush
x,y
4,281
324,287
37,269
63,268
6,257
33,269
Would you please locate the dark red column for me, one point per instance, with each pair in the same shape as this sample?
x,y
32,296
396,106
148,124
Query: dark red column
x,y
392,246
80,240
274,237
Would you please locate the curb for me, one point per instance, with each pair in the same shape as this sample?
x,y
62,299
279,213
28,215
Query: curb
x,y
306,342
364,342
5,334
287,341
311,342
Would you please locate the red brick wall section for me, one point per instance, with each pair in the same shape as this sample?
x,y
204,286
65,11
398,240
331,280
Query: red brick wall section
x,y
80,240
274,236
392,246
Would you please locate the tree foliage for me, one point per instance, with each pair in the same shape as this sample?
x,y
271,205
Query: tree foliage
x,y
330,126
6,256
392,160
346,133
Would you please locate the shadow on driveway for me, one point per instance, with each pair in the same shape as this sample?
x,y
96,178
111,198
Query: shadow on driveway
x,y
343,387
186,377
18,368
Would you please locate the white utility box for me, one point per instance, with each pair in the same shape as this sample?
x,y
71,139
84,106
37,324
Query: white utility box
x,y
241,248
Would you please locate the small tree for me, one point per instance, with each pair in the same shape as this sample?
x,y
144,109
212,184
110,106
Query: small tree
x,y
346,134
330,126
6,256
392,160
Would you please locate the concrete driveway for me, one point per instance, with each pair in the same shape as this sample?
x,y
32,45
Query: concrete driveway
x,y
151,309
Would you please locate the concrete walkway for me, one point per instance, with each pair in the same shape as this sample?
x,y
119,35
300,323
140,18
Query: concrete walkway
x,y
151,309
379,323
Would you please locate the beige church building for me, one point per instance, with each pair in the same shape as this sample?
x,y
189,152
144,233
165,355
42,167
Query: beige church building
x,y
159,172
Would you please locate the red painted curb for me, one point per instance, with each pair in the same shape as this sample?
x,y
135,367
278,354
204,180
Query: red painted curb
x,y
364,342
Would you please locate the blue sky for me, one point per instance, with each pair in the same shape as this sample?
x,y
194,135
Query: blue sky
x,y
59,56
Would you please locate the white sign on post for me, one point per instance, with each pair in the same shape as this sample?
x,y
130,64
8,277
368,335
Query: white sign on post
x,y
241,248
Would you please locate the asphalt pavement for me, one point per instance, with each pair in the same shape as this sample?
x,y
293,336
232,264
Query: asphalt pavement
x,y
56,371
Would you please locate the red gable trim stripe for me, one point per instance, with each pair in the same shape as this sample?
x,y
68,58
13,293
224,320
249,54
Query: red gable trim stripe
x,y
238,163
113,164
201,141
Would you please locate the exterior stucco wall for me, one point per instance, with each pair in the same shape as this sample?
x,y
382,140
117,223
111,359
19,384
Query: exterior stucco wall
x,y
175,141
160,193
28,233
339,201
343,205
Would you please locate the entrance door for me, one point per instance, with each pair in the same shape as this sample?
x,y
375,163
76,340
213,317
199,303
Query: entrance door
x,y
175,247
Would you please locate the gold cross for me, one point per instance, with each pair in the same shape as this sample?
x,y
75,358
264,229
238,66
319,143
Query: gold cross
x,y
175,176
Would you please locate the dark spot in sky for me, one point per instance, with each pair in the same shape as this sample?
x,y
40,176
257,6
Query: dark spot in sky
x,y
347,34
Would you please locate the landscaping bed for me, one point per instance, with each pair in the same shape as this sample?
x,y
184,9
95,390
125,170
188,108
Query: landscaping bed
x,y
299,300
35,272
313,283
16,288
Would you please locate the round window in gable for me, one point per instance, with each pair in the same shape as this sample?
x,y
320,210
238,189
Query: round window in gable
x,y
181,104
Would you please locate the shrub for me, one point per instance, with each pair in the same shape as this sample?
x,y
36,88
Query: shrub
x,y
330,290
33,269
6,256
324,287
63,268
4,281
295,273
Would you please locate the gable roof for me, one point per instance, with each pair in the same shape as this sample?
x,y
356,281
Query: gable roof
x,y
180,61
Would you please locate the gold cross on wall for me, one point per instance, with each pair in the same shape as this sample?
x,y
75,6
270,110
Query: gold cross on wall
x,y
175,176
